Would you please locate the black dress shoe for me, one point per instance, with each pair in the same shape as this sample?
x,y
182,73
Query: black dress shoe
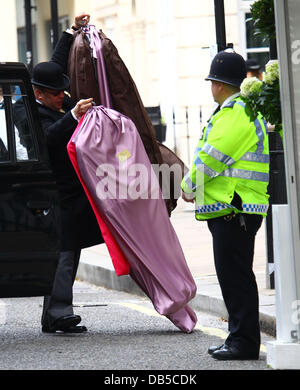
x,y
66,322
62,324
75,329
232,353
214,348
72,329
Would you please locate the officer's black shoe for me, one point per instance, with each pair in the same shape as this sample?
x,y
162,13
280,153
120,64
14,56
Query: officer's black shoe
x,y
232,353
214,348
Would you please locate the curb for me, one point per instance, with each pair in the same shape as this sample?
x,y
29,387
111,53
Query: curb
x,y
107,278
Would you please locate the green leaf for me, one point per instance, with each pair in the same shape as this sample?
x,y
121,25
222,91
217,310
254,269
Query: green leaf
x,y
263,17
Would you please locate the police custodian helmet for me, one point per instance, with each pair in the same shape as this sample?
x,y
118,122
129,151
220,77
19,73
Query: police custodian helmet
x,y
229,68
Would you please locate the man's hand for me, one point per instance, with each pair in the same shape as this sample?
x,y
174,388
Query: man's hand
x,y
81,20
190,198
81,107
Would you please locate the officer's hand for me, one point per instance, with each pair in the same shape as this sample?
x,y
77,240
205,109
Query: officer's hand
x,y
81,20
81,107
190,198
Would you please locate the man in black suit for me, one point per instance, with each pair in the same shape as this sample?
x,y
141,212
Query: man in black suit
x,y
79,229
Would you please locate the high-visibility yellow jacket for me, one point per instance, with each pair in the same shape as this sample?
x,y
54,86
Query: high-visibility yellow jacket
x,y
231,157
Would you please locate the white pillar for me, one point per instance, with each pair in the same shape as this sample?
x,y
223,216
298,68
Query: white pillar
x,y
284,353
9,39
285,285
167,73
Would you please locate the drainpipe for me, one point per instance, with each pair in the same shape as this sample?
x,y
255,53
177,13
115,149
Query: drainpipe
x,y
28,28
54,22
220,25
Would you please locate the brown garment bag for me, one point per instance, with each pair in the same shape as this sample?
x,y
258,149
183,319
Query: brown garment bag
x,y
125,99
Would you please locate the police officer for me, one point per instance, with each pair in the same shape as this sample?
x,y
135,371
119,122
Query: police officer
x,y
228,182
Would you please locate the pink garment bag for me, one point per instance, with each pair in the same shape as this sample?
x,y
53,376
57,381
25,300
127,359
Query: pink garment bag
x,y
111,162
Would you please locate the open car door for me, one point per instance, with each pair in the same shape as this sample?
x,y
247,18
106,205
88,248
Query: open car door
x,y
29,216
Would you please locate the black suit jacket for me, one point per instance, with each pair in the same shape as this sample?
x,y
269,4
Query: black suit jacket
x,y
79,225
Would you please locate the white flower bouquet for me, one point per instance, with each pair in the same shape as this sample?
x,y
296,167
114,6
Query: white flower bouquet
x,y
264,96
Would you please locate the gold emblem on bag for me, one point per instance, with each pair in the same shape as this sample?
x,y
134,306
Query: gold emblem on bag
x,y
124,155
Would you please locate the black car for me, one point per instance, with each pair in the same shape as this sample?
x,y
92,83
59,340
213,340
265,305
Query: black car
x,y
29,214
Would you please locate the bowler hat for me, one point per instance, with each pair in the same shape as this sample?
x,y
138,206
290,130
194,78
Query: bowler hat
x,y
229,68
50,75
252,65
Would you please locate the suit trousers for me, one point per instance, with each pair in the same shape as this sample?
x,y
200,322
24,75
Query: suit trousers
x,y
233,245
60,303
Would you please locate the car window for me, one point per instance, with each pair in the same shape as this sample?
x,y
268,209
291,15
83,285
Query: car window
x,y
3,131
15,123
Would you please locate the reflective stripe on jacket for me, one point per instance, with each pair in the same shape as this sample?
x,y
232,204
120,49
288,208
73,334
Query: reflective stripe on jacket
x,y
232,157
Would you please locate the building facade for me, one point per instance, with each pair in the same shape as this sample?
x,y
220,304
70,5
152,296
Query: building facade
x,y
167,46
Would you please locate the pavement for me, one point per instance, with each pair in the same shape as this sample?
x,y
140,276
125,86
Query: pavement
x,y
96,268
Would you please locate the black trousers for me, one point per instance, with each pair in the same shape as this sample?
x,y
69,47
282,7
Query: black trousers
x,y
233,244
59,304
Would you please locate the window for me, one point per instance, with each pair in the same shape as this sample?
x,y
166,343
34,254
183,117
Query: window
x,y
3,133
252,45
23,55
109,24
16,140
257,47
133,7
63,25
22,51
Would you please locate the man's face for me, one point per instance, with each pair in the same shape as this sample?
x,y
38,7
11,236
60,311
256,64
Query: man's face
x,y
51,98
215,90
